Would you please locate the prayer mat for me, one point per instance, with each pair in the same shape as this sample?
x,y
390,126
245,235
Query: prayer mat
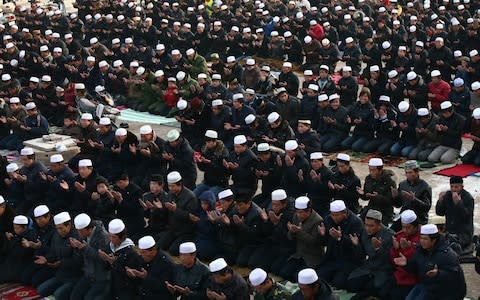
x,y
462,170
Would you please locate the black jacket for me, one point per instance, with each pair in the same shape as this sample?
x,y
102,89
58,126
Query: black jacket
x,y
450,273
324,293
183,162
179,221
195,279
159,270
244,179
214,173
452,137
235,289
365,113
71,259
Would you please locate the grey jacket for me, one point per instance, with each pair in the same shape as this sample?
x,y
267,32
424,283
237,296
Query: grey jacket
x,y
195,279
310,245
94,267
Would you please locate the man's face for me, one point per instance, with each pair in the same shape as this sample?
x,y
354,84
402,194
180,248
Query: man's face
x,y
84,172
148,254
338,217
409,229
372,226
239,148
27,161
155,187
308,291
264,287
43,221
122,183
456,187
63,229
187,259
175,188
375,172
303,214
426,242
278,206
242,207
411,175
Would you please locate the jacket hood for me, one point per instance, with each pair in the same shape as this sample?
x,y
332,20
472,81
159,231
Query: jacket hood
x,y
209,197
126,243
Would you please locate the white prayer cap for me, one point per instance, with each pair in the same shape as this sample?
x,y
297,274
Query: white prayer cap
x,y
20,220
121,132
202,76
308,73
173,135
278,195
93,40
458,82
40,210
322,97
250,62
429,229
476,113
249,119
225,194
230,59
174,177
386,45
116,226
11,167
56,158
313,86
257,277
82,221
307,276
287,64
403,106
30,105
217,265
316,155
475,85
85,163
159,73
43,48
181,75
14,100
392,74
239,139
6,77
302,202
61,218
2,200
34,79
473,53
411,75
445,105
79,86
216,77
347,69
343,157
146,129
325,42
374,68
337,206
375,162
408,216
273,117
307,39
146,242
211,134
435,73
182,104
190,51
457,53
140,71
217,102
291,145
117,63
26,151
384,98
187,248
237,96
333,97
422,112
349,40
86,116
160,47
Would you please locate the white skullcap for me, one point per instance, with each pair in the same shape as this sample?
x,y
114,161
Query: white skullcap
x,y
105,121
56,158
287,65
308,73
93,40
249,119
457,53
134,64
79,86
347,69
217,102
211,134
343,157
121,132
278,195
173,135
475,85
257,277
402,48
408,216
87,116
181,75
458,82
307,276
174,177
392,74
316,155
473,53
273,117
337,206
61,218
333,97
182,104
429,229
435,73
230,59
307,39
146,242
411,75
117,63
291,145
287,34
190,51
26,151
116,226
302,202
250,62
322,97
374,68
40,210
14,100
85,163
34,79
375,162
239,140
20,220
386,45
349,40
6,77
82,221
216,77
217,265
237,96
146,129
476,113
439,39
12,167
225,194
187,248
384,98
445,105
159,73
160,47
422,112
30,105
313,86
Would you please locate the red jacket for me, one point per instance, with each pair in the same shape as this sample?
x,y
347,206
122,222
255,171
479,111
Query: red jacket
x,y
402,277
316,32
441,90
171,96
